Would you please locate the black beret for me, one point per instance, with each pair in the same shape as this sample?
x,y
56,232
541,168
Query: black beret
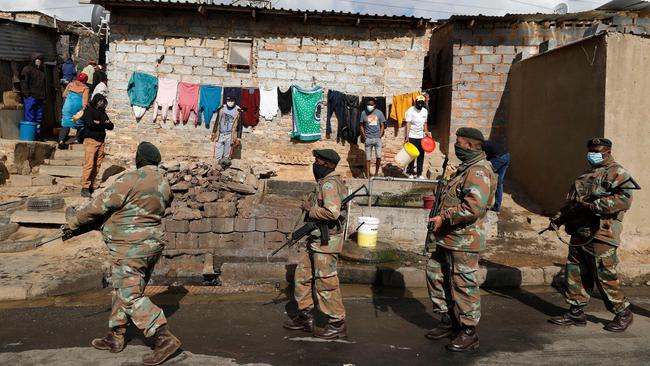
x,y
599,141
327,155
147,154
470,133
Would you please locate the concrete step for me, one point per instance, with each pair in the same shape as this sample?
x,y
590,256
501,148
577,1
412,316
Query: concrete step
x,y
71,162
68,154
61,171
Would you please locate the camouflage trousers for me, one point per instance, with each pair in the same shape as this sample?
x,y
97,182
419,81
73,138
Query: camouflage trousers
x,y
452,284
594,263
129,278
317,271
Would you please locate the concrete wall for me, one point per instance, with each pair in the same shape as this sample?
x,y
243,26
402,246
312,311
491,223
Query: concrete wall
x,y
627,119
376,59
557,103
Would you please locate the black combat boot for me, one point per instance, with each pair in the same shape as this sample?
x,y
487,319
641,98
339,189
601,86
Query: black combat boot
x,y
332,331
303,321
466,340
113,341
621,321
166,344
575,316
444,329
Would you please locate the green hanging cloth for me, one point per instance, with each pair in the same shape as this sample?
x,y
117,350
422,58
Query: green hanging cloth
x,y
307,104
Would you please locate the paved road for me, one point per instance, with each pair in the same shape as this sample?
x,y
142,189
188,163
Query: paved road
x,y
386,328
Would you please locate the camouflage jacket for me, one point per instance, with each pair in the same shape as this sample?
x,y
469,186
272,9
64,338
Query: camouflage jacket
x,y
465,201
326,205
131,210
594,187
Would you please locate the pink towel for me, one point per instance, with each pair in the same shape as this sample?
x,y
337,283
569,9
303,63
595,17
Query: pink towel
x,y
188,100
165,99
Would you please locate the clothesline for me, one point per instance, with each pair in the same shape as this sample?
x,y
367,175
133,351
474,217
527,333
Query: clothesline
x,y
444,86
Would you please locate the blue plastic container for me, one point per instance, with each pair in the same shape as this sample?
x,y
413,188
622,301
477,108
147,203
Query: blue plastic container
x,y
28,130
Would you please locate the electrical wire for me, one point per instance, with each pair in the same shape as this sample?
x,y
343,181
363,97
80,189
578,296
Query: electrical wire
x,y
531,4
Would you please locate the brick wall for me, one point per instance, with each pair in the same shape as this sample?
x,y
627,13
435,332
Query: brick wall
x,y
380,59
483,52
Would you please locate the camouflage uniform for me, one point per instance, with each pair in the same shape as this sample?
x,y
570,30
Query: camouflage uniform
x,y
465,201
317,266
132,209
597,260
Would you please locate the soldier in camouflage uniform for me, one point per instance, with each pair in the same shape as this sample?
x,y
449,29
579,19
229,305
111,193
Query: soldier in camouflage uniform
x,y
316,270
131,211
459,236
601,196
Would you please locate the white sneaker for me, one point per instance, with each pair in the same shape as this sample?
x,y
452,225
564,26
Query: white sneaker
x,y
411,176
420,177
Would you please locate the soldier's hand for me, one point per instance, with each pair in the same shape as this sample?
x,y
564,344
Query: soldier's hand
x,y
67,233
437,223
306,205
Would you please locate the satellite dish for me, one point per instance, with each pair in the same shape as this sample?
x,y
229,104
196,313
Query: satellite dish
x,y
98,18
561,9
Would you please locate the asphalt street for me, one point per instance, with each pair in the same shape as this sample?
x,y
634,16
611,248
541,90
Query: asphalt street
x,y
386,327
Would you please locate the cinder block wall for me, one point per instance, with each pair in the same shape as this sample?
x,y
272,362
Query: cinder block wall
x,y
483,52
373,58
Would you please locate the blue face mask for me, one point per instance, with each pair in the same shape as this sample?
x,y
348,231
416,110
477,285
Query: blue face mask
x,y
594,158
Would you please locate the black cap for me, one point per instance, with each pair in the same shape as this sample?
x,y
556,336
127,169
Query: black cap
x,y
599,141
230,98
470,133
328,155
147,154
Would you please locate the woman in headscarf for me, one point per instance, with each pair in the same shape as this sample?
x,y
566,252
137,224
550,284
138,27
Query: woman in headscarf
x,y
76,99
96,123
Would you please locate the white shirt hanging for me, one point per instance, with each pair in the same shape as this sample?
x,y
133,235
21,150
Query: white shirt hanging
x,y
268,103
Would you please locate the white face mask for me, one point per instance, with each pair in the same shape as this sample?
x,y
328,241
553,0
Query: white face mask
x,y
230,104
370,108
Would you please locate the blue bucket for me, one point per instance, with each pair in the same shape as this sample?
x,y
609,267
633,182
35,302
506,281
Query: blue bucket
x,y
28,130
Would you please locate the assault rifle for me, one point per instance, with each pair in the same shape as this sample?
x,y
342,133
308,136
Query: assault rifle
x,y
437,205
322,226
579,220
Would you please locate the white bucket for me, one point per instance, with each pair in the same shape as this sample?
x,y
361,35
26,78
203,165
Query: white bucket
x,y
367,232
406,155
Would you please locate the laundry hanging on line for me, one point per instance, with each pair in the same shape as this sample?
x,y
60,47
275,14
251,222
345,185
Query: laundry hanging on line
x,y
188,101
285,100
401,103
307,104
165,98
142,90
268,103
209,103
250,103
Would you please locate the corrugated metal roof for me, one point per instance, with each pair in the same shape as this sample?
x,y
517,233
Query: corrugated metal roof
x,y
626,5
279,11
19,41
539,17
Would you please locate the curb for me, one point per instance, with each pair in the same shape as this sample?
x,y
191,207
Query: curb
x,y
82,282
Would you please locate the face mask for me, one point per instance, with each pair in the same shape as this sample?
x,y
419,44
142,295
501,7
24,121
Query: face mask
x,y
465,154
230,104
370,108
595,158
320,171
419,105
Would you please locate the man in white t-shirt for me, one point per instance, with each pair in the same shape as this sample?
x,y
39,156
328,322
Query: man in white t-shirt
x,y
416,129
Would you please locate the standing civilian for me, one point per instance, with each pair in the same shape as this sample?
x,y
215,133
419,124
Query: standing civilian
x,y
32,85
500,159
98,77
228,119
96,123
90,71
416,129
76,99
372,130
69,71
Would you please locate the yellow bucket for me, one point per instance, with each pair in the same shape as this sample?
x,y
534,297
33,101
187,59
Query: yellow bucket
x,y
407,154
367,232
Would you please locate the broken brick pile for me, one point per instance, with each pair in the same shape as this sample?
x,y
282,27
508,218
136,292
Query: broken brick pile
x,y
219,211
